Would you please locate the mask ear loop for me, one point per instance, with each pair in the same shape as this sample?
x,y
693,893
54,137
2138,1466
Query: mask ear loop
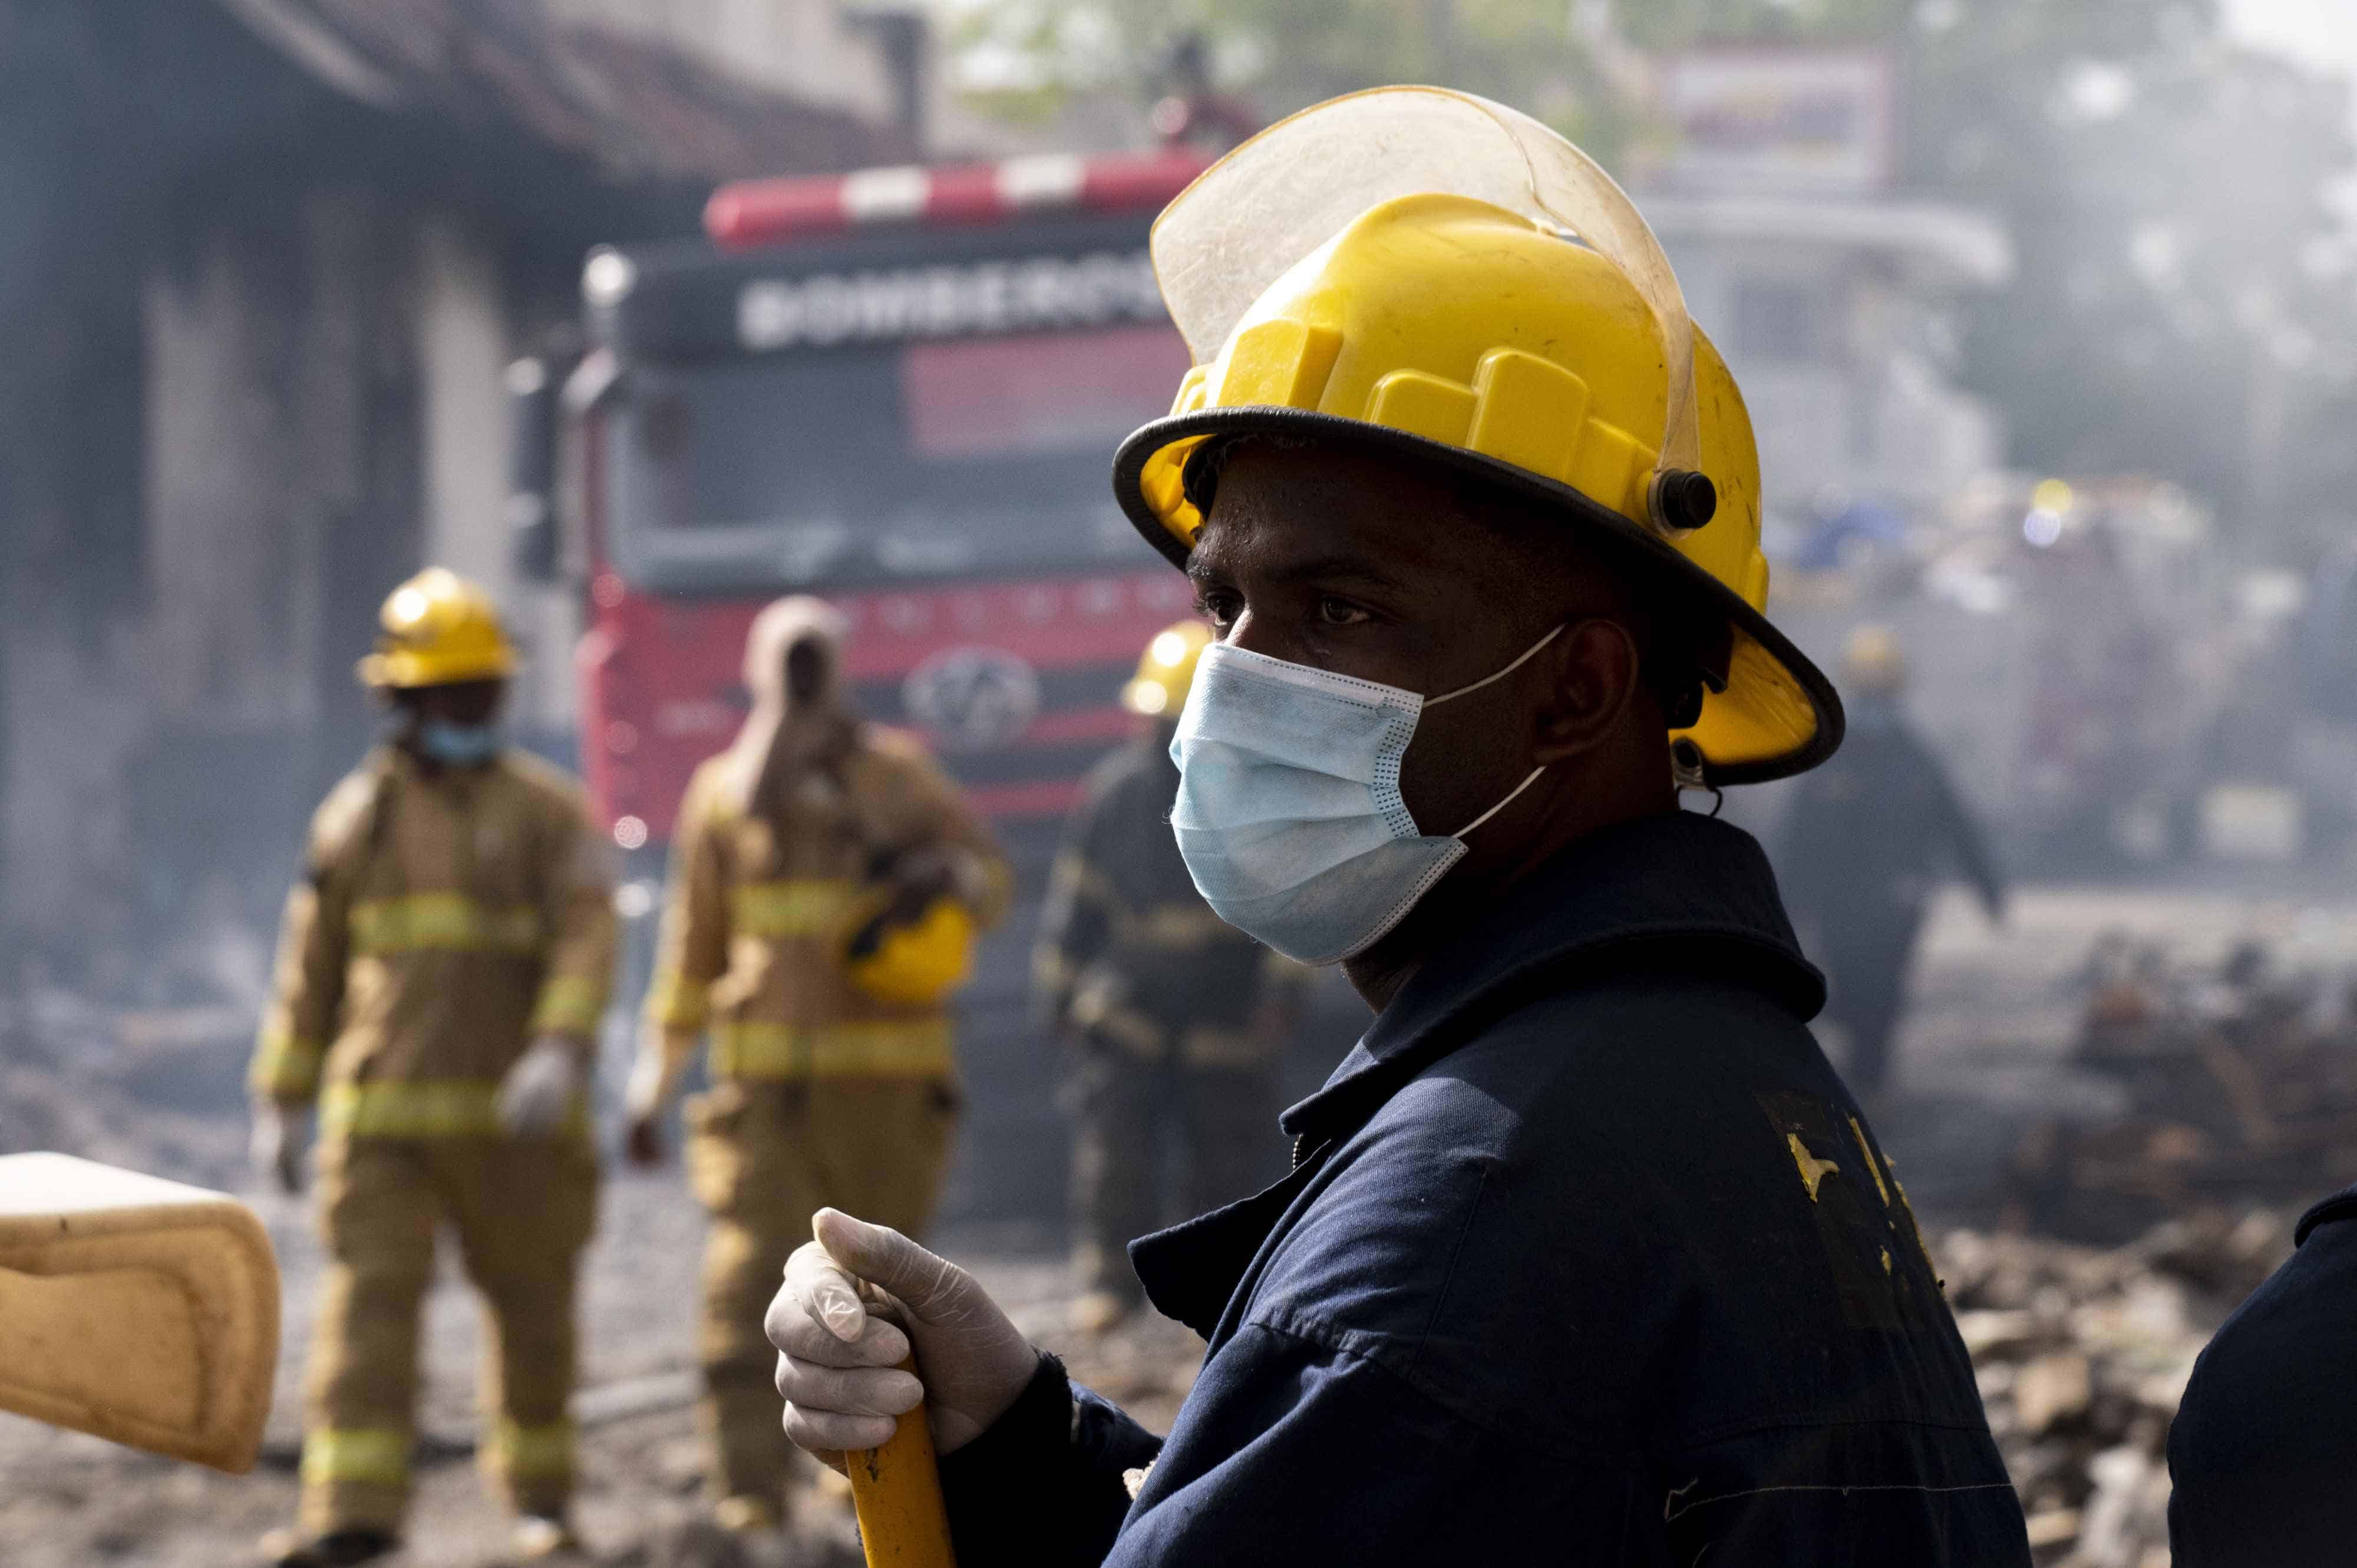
x,y
1501,805
1528,654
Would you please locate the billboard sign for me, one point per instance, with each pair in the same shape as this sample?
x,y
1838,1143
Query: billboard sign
x,y
1781,122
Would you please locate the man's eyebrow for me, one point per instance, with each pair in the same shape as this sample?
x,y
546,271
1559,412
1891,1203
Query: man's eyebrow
x,y
1311,569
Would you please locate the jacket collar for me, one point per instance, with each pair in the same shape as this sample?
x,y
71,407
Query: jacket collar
x,y
2341,1204
1678,894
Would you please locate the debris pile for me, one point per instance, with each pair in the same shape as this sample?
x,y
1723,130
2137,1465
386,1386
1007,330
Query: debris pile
x,y
2238,1084
2083,1354
160,1090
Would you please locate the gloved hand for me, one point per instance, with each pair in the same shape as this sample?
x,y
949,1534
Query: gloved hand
x,y
275,1146
538,1092
643,1102
919,879
838,1361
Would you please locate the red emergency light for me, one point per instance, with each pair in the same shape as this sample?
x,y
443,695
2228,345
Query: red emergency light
x,y
748,213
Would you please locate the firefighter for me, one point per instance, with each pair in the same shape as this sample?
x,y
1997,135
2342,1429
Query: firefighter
x,y
2262,1444
826,882
1586,1254
443,967
1176,1017
1868,837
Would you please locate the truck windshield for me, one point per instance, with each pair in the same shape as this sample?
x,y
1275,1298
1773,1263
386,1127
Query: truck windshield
x,y
882,461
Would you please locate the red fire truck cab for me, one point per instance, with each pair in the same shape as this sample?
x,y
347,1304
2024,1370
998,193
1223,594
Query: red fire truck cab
x,y
899,389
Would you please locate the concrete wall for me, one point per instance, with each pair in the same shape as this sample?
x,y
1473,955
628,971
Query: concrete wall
x,y
465,340
188,737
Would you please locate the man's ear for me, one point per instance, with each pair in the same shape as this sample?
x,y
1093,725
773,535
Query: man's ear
x,y
1596,679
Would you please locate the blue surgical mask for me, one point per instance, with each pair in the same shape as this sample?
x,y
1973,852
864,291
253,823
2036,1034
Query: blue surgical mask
x,y
1289,815
457,746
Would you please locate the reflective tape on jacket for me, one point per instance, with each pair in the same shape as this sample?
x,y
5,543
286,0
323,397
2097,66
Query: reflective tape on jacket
x,y
798,906
451,921
372,1455
285,1066
1172,927
886,1049
429,1108
1205,1046
540,1451
674,1002
569,1005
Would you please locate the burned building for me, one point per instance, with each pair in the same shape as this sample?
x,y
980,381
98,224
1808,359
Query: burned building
x,y
262,265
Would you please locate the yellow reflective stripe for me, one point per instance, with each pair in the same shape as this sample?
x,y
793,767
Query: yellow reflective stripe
x,y
447,921
1050,970
431,1108
569,1004
1207,1046
397,1109
802,906
286,1065
1074,877
879,1049
544,1449
356,1454
675,1003
1130,1029
1173,926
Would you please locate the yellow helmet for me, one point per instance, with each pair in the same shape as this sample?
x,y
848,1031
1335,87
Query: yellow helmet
x,y
1480,295
439,630
1166,670
912,965
1874,660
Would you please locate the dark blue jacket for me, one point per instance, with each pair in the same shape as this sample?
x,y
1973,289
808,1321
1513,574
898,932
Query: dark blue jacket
x,y
2263,1454
1589,1257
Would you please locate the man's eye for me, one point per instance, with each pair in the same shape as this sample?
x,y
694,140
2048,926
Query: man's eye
x,y
1333,611
1219,606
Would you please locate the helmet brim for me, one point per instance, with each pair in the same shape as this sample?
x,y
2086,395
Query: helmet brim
x,y
416,673
1771,674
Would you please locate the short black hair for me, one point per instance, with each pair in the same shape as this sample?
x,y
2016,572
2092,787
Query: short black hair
x,y
1684,645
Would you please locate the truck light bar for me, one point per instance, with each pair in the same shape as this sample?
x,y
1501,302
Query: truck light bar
x,y
754,212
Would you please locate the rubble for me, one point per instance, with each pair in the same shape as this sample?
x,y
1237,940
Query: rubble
x,y
2237,1083
2083,1354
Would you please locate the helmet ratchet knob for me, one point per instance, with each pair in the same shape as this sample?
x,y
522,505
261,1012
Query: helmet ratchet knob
x,y
1681,499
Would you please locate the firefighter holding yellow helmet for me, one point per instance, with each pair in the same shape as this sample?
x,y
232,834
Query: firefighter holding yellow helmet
x,y
1176,1019
441,972
826,884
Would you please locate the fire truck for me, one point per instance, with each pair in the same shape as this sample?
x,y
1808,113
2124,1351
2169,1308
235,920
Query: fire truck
x,y
899,389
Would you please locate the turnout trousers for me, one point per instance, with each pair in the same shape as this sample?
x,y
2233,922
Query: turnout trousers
x,y
1867,960
1125,1108
764,1155
522,1210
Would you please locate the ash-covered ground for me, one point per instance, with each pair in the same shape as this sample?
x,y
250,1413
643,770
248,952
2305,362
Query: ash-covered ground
x,y
2083,1347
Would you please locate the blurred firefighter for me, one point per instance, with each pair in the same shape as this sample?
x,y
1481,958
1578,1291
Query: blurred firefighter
x,y
443,967
1176,1019
826,884
1871,834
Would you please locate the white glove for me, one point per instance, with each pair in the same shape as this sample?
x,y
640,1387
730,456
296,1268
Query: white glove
x,y
838,1362
539,1090
647,1094
277,1142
